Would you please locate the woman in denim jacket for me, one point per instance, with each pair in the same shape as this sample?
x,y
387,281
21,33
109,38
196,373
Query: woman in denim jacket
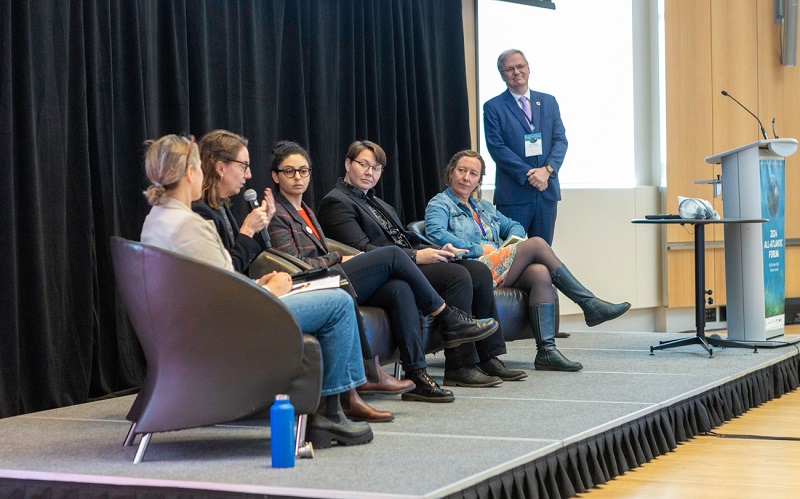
x,y
487,235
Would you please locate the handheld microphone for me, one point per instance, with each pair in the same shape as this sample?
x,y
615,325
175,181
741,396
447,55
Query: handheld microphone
x,y
774,136
251,197
763,132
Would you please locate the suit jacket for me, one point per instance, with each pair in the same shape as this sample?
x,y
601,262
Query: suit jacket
x,y
505,126
346,217
290,233
174,227
243,249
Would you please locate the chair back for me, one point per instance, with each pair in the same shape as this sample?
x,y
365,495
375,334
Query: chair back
x,y
218,347
418,228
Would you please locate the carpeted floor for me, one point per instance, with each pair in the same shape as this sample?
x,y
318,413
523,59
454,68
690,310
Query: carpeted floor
x,y
430,450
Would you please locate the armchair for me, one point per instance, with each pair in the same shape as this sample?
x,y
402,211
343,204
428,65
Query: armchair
x,y
218,347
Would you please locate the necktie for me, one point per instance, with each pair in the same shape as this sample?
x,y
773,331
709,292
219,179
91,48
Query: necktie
x,y
525,107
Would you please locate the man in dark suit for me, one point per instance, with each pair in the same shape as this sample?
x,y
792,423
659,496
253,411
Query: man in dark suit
x,y
352,214
526,139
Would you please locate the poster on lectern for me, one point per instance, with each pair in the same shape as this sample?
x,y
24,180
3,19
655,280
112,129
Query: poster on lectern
x,y
773,209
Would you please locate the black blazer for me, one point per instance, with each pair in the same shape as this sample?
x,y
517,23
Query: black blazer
x,y
345,216
243,249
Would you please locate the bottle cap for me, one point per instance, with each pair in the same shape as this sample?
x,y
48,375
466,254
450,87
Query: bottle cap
x,y
281,396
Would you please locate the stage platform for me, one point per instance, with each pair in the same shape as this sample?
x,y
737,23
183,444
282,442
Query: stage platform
x,y
552,435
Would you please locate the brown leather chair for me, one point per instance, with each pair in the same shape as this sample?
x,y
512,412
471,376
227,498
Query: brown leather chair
x,y
218,347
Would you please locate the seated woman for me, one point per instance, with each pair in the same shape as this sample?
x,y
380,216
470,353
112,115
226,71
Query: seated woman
x,y
226,167
385,277
475,225
352,214
173,167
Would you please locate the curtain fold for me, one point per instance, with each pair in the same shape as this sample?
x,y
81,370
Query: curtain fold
x,y
84,84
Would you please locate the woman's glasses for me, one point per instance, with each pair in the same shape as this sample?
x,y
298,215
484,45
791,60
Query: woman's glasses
x,y
291,172
243,164
376,169
189,152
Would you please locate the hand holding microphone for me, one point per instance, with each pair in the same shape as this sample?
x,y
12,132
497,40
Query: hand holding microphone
x,y
258,219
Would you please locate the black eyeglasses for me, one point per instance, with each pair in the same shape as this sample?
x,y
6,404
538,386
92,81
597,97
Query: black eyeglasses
x,y
377,169
245,164
512,69
189,152
291,172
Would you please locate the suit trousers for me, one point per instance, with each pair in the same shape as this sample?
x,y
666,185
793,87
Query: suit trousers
x,y
467,285
387,278
538,217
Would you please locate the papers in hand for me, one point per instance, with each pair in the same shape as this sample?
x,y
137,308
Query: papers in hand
x,y
322,283
512,240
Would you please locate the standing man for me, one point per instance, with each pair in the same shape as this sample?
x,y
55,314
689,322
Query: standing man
x,y
526,138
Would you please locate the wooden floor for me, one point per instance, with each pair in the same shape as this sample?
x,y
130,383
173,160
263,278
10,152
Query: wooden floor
x,y
756,455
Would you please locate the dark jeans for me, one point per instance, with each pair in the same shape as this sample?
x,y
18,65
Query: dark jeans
x,y
538,217
467,284
387,278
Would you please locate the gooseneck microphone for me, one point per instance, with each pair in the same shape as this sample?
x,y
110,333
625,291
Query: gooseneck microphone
x,y
251,197
763,132
774,135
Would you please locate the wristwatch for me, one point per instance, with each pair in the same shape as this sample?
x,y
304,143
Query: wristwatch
x,y
550,170
414,256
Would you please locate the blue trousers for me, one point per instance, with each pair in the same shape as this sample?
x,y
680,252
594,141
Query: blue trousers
x,y
538,218
329,316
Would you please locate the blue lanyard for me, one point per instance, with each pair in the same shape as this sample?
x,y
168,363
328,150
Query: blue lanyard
x,y
477,218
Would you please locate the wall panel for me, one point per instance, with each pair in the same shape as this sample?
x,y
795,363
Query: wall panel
x,y
733,45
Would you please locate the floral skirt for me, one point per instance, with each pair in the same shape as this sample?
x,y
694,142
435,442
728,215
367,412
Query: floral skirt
x,y
499,261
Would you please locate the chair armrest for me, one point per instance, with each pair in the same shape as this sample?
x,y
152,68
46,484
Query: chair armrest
x,y
274,260
418,228
342,248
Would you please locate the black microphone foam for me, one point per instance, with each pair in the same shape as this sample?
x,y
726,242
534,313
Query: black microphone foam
x,y
252,198
763,132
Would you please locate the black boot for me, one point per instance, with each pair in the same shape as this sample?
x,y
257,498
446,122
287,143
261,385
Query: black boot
x,y
426,389
548,358
330,424
496,367
457,327
595,310
470,377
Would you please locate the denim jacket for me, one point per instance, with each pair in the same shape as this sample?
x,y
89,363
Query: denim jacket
x,y
448,220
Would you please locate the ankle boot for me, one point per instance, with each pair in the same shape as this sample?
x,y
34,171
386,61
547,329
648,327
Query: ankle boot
x,y
458,327
548,358
387,384
595,310
329,424
358,409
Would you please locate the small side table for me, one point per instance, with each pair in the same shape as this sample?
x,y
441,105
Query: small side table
x,y
699,283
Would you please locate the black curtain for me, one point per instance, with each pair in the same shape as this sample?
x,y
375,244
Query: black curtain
x,y
84,84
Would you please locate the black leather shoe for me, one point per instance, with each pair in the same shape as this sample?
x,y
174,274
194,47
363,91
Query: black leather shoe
x,y
471,377
457,328
426,389
495,367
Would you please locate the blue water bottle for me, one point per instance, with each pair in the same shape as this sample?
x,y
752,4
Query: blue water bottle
x,y
281,423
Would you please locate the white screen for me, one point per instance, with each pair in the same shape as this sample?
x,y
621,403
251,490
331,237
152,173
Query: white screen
x,y
582,54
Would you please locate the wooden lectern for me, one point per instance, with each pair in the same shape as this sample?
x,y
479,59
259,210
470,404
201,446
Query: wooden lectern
x,y
753,186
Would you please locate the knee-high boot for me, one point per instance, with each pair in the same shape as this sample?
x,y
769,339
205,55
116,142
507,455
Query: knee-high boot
x,y
548,358
595,310
329,424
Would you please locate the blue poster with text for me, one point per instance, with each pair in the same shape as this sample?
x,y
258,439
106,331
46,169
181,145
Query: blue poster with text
x,y
773,209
